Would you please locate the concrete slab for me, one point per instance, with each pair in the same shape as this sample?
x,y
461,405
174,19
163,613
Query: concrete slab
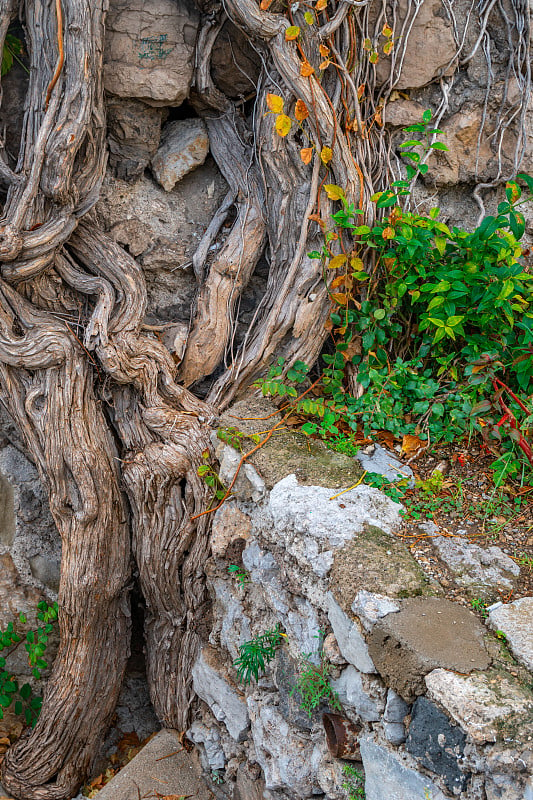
x,y
162,768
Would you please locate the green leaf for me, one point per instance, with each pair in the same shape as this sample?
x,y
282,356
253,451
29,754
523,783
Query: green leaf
x,y
427,115
438,146
380,313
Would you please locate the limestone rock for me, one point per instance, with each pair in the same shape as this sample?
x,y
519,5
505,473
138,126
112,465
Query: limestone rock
x,y
162,230
384,463
437,744
402,112
380,565
481,703
431,49
230,531
365,695
211,683
287,756
233,624
184,146
313,525
370,607
427,633
331,651
133,132
389,777
149,50
349,638
210,738
516,621
483,571
249,484
290,452
396,709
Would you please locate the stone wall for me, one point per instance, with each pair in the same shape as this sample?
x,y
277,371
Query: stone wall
x,y
439,709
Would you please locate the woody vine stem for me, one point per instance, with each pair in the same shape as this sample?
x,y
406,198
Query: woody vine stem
x,y
110,421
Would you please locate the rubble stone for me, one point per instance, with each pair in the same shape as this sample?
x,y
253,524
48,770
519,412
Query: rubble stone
x,y
389,777
484,571
215,688
184,146
516,621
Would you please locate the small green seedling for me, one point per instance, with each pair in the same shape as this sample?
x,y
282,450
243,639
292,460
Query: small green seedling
x,y
239,573
257,653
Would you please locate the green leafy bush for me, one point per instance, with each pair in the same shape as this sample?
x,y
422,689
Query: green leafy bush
x,y
22,698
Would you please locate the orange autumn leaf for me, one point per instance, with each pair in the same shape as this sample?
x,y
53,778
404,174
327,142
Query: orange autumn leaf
x,y
360,91
324,64
387,47
265,4
283,124
326,154
275,103
412,444
323,50
306,69
316,218
321,5
340,298
373,57
386,31
388,233
306,154
301,111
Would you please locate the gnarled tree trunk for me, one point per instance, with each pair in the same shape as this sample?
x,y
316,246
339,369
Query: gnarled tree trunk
x,y
115,434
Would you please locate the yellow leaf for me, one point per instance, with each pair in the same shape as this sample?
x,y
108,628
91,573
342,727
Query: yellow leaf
x,y
275,103
334,192
339,298
306,154
387,31
356,263
373,57
306,69
387,47
292,32
326,155
309,18
301,111
324,64
283,124
323,50
367,44
337,261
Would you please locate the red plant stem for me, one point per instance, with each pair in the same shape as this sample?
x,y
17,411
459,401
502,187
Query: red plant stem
x,y
523,444
510,391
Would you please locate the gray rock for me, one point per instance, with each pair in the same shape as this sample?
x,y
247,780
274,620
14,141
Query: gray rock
x,y
396,709
287,756
211,683
162,766
483,704
437,744
389,777
162,230
330,775
311,525
516,621
427,633
46,570
149,50
230,526
249,485
210,738
349,638
382,462
184,146
528,794
133,133
285,676
483,571
296,614
369,607
232,622
365,695
331,652
394,732
134,711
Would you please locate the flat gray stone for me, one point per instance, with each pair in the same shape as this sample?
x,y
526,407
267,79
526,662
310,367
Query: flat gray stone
x,y
249,484
184,146
516,621
349,638
383,462
364,694
427,633
482,570
211,683
389,777
209,737
163,766
483,704
369,607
